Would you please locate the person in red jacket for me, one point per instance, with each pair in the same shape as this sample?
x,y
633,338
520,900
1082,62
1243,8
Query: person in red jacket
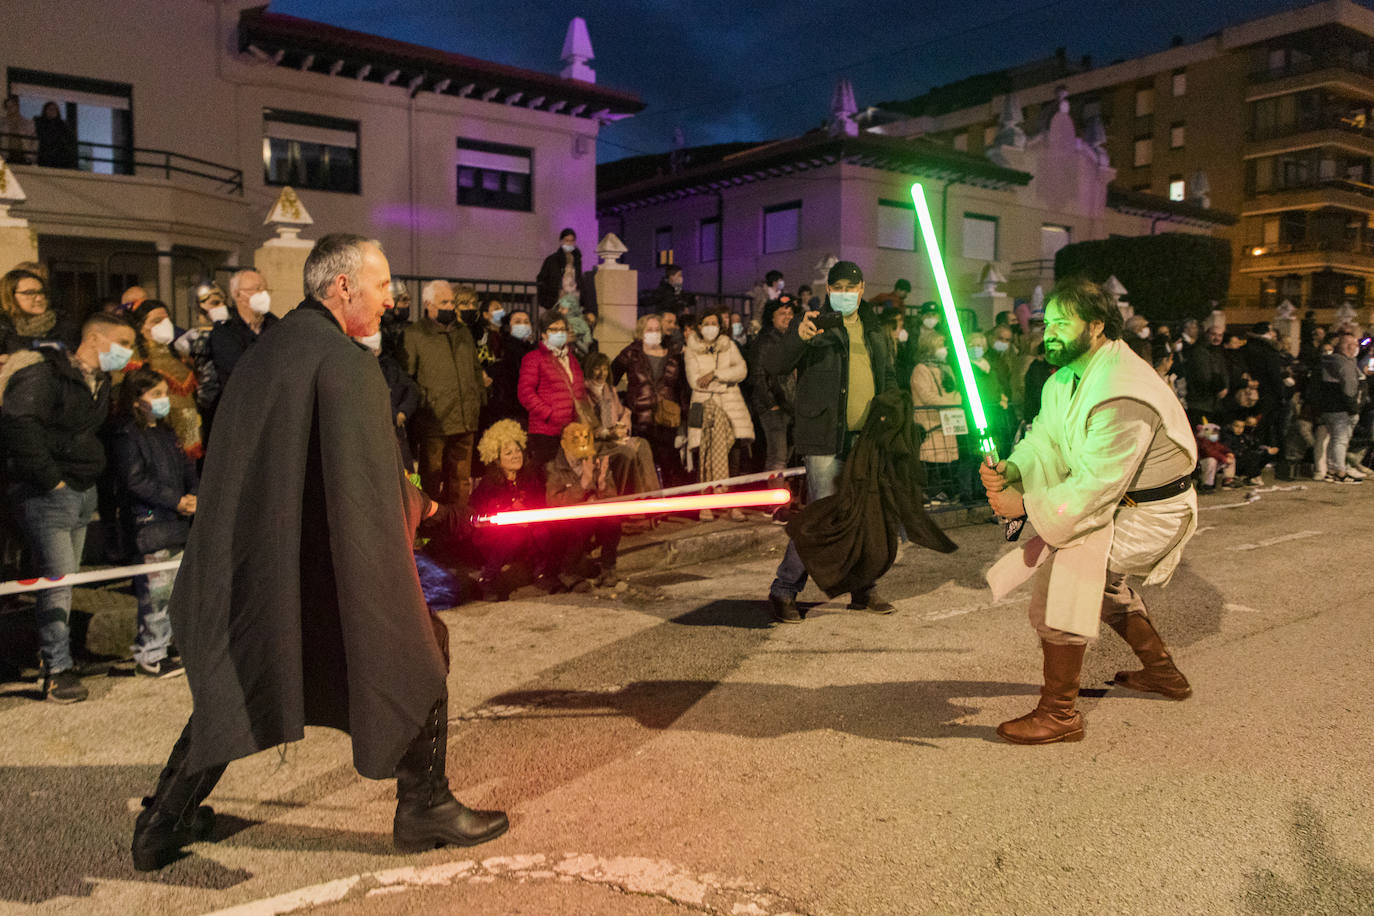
x,y
1213,455
550,387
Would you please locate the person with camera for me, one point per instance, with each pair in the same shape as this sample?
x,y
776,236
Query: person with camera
x,y
842,362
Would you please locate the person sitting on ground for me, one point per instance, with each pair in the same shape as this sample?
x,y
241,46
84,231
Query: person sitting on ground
x,y
510,485
574,476
1213,456
1252,455
157,483
632,461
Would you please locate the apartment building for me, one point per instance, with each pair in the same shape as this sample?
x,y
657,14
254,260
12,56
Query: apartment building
x,y
1271,119
190,118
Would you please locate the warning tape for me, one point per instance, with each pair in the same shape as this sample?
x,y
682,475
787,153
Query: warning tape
x,y
20,586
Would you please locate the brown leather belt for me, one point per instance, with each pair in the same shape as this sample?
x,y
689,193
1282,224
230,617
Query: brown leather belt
x,y
1155,494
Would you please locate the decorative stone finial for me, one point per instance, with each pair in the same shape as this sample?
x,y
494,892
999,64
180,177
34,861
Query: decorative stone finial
x,y
577,50
991,277
1009,132
609,250
11,193
1113,287
288,216
843,108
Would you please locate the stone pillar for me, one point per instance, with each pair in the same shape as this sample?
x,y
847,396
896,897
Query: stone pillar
x,y
617,296
281,260
990,300
165,292
18,242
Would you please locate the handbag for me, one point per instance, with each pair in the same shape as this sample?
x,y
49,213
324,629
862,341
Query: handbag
x,y
168,534
696,415
667,412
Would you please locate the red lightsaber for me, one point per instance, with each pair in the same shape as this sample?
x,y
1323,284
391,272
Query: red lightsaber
x,y
737,500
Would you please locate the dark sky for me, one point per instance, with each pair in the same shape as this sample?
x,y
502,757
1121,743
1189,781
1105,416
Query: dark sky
x,y
759,69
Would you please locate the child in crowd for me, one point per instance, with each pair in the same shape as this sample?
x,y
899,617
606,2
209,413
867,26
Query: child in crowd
x,y
1212,456
1250,453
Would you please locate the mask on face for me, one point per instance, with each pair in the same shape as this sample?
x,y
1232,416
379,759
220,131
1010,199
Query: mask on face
x,y
975,352
162,332
1143,333
445,317
676,285
372,341
902,335
567,249
929,322
652,338
557,340
470,317
709,332
737,329
845,303
521,331
115,358
497,315
218,313
941,354
260,302
1001,346
160,407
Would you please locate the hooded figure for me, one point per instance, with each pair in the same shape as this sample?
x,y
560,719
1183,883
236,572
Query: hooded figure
x,y
298,602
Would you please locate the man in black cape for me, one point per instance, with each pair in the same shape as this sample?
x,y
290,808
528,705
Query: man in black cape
x,y
298,602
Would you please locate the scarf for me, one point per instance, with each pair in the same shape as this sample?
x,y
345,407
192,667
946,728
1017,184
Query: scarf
x,y
34,325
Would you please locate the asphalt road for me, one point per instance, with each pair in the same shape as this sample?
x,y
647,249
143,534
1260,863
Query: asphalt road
x,y
671,751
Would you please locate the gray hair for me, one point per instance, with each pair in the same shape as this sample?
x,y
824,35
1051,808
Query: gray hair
x,y
236,280
430,289
335,254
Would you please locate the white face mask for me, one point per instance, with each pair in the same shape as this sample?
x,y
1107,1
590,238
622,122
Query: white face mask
x,y
652,338
260,302
163,332
1143,333
1001,346
521,331
975,352
218,313
737,329
903,336
942,353
709,332
567,249
372,341
930,322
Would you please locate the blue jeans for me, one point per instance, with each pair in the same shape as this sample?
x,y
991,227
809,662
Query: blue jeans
x,y
54,524
1340,424
821,474
154,591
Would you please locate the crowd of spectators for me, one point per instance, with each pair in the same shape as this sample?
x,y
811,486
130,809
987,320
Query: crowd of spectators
x,y
503,405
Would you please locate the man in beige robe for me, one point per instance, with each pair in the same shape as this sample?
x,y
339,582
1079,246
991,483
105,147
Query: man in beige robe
x,y
1104,476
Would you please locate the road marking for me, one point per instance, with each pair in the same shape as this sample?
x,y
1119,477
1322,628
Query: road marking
x,y
1241,609
1281,539
628,874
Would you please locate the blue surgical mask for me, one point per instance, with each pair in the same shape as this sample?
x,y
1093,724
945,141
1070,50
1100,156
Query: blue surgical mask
x,y
557,340
737,329
1001,346
521,331
568,249
975,352
497,315
160,407
845,303
115,358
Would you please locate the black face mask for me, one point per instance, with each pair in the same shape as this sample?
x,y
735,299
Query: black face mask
x,y
445,316
470,317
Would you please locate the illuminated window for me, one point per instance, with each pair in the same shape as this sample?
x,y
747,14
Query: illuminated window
x,y
663,245
1177,188
98,113
309,151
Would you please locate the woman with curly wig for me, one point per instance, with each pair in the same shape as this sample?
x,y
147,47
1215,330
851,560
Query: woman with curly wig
x,y
509,484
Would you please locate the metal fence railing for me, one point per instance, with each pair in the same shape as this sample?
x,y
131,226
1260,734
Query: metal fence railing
x,y
130,160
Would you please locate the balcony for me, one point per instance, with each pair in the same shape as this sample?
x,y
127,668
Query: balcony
x,y
1334,192
1345,255
1318,73
1338,133
137,194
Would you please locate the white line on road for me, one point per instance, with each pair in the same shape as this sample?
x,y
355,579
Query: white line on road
x,y
1241,609
629,874
1283,538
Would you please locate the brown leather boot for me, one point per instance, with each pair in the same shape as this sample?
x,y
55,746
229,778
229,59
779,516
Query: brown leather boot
x,y
1054,719
1159,674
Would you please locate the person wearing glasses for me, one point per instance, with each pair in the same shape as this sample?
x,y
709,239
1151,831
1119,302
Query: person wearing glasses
x,y
28,320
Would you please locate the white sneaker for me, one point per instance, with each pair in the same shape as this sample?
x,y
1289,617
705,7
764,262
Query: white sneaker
x,y
1355,472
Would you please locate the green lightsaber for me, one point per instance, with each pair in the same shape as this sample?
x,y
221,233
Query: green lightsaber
x,y
956,338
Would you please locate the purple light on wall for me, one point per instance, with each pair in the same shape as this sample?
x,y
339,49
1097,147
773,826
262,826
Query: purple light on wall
x,y
425,219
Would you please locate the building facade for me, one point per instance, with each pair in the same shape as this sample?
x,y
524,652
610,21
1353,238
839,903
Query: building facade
x,y
1269,119
460,167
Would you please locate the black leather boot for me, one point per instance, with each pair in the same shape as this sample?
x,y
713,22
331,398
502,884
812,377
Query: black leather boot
x,y
427,814
173,815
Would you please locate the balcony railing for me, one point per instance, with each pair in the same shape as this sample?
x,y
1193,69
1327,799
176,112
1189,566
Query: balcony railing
x,y
1039,267
1328,184
1320,61
133,160
1346,124
1340,246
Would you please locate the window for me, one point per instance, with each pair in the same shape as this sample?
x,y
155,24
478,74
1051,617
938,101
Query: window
x,y
1180,83
961,142
1176,136
1144,102
1144,152
495,175
1277,59
897,225
1052,238
980,237
663,246
1177,189
782,227
708,239
309,151
989,135
99,113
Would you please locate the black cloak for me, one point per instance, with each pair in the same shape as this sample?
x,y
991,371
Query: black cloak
x,y
848,540
297,602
